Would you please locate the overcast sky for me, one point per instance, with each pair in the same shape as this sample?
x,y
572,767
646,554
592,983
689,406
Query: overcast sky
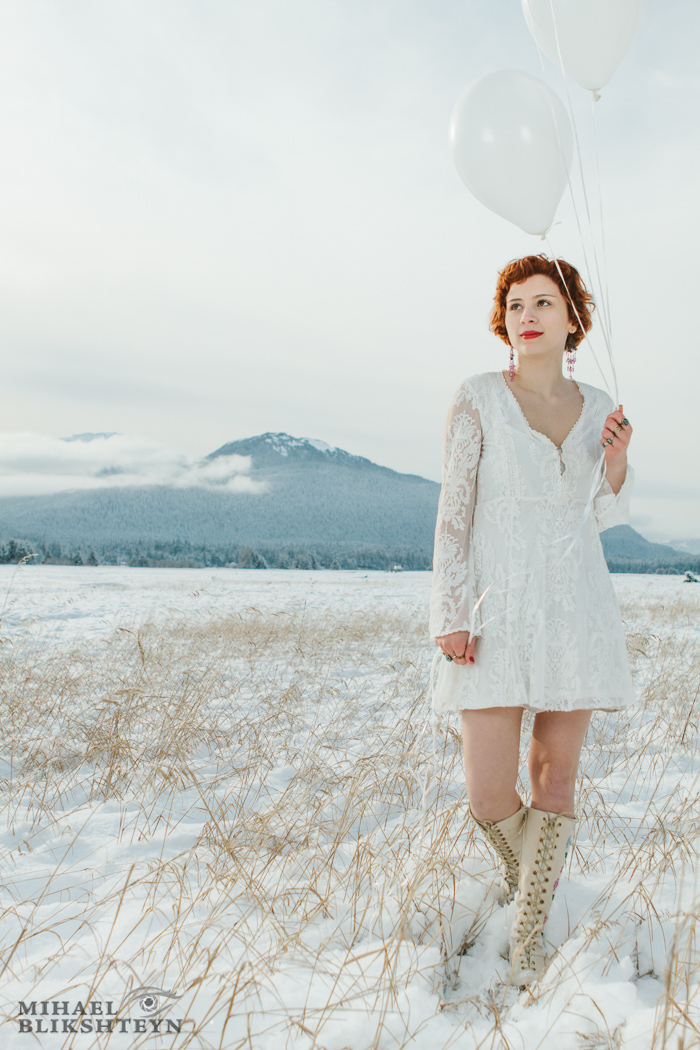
x,y
226,217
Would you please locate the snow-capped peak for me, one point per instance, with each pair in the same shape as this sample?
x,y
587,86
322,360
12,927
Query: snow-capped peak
x,y
284,443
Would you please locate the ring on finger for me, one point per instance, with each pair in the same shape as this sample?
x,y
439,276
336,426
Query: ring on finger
x,y
448,658
608,441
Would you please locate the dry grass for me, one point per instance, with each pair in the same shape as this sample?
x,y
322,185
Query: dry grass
x,y
249,811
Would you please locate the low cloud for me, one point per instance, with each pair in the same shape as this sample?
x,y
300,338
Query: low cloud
x,y
666,520
33,464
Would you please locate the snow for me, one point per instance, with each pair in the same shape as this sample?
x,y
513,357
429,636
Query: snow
x,y
48,603
269,862
322,446
283,442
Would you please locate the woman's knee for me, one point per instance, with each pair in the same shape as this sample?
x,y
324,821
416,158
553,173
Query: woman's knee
x,y
491,740
555,752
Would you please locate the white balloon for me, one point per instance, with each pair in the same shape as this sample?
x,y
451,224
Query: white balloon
x,y
512,144
592,36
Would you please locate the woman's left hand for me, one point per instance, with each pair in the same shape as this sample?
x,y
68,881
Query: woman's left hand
x,y
617,432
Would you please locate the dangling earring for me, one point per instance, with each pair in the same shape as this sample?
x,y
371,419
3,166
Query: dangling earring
x,y
511,369
570,355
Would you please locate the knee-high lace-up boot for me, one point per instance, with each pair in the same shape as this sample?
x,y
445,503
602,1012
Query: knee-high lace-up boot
x,y
546,841
506,838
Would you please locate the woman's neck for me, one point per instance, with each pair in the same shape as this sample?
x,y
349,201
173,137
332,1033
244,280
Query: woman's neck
x,y
542,377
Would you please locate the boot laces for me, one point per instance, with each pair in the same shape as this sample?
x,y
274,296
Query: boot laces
x,y
502,846
531,924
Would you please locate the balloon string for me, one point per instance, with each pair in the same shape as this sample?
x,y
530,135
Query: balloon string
x,y
603,317
573,304
603,313
595,98
598,473
594,270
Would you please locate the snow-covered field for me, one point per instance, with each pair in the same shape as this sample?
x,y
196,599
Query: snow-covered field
x,y
220,784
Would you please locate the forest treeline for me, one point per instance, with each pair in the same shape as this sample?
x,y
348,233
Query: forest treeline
x,y
183,554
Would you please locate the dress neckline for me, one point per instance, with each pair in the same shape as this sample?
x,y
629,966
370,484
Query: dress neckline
x,y
539,432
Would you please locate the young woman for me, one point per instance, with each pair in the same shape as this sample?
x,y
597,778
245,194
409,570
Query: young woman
x,y
522,605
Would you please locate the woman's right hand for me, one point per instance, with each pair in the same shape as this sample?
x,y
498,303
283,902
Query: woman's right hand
x,y
458,646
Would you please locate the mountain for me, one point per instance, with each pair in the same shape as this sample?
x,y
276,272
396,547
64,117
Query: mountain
x,y
306,495
622,541
91,437
312,494
275,450
687,546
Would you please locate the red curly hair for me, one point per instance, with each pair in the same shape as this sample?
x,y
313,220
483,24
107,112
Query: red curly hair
x,y
578,298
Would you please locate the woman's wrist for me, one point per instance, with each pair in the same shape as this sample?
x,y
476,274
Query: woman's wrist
x,y
616,471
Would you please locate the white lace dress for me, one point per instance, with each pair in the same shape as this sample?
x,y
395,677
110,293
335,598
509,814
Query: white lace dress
x,y
549,630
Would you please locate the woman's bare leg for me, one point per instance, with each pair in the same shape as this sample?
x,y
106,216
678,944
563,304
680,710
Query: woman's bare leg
x,y
555,750
491,738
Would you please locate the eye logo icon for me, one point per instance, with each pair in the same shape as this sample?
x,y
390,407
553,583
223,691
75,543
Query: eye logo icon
x,y
152,1001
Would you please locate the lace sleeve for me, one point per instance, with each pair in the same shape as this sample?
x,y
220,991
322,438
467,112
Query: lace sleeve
x,y
610,508
453,593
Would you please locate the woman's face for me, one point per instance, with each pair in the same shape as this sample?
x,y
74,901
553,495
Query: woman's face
x,y
537,316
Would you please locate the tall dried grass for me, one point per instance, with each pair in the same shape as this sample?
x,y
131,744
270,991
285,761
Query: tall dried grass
x,y
260,781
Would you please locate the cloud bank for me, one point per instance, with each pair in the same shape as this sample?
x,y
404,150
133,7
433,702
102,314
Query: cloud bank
x,y
34,464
